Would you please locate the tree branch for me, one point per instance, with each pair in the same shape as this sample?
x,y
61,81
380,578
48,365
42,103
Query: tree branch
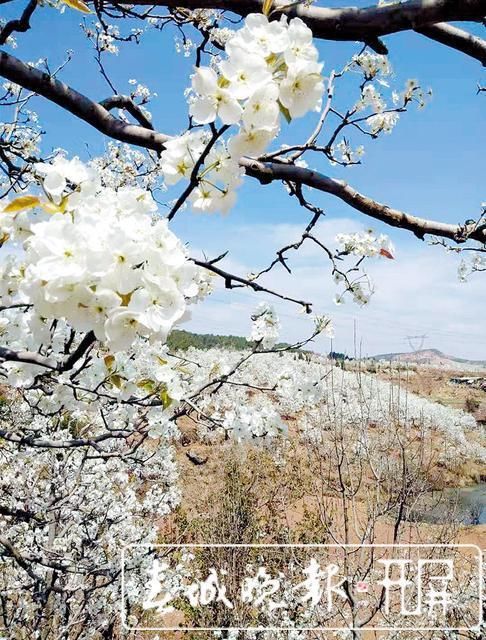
x,y
20,25
28,357
31,357
78,104
231,278
457,39
96,115
125,102
349,23
269,172
68,363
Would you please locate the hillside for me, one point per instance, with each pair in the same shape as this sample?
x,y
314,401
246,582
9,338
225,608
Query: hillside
x,y
433,358
179,340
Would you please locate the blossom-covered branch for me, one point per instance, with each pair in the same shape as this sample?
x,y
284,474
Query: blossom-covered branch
x,y
96,115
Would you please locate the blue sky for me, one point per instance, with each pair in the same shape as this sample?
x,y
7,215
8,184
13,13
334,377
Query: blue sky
x,y
432,165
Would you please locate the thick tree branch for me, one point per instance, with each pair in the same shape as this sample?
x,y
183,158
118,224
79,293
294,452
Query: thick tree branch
x,y
78,104
457,39
350,23
125,102
70,360
31,357
269,172
27,357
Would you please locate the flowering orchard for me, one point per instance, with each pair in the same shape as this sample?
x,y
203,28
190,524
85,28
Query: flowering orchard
x,y
93,279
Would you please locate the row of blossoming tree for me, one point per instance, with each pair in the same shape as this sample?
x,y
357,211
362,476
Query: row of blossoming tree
x,y
92,278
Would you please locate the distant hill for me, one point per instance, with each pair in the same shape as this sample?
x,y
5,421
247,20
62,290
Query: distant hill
x,y
433,358
183,340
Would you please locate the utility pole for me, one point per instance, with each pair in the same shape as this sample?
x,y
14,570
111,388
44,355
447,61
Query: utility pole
x,y
413,341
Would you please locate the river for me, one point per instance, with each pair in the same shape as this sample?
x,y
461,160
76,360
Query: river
x,y
466,505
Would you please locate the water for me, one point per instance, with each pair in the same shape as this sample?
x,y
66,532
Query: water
x,y
466,505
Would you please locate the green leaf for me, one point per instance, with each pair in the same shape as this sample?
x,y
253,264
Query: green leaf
x,y
51,207
116,380
165,398
285,112
146,384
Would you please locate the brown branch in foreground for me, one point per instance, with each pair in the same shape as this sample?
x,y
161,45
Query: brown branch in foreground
x,y
266,172
27,357
126,103
365,24
78,104
31,357
270,171
451,36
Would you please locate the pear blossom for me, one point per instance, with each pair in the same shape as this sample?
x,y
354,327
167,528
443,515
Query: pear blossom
x,y
245,72
301,43
251,141
262,110
261,35
372,64
366,244
301,91
61,172
180,155
382,122
266,326
270,68
101,263
212,100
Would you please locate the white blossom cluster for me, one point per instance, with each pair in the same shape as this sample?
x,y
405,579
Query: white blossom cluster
x,y
360,289
124,166
80,510
384,116
96,258
467,267
254,423
140,91
271,69
218,180
103,37
265,327
318,394
363,245
366,244
373,65
347,154
375,68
